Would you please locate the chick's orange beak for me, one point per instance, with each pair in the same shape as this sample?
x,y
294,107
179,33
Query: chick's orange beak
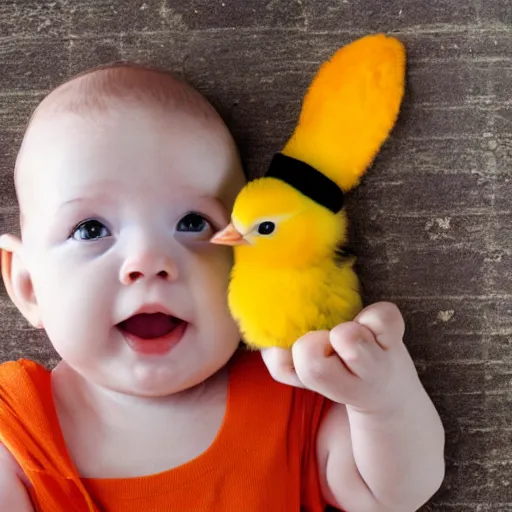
x,y
228,236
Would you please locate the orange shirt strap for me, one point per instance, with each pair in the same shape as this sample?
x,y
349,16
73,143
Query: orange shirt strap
x,y
30,430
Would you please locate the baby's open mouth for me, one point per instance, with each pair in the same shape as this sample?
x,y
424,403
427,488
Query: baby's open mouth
x,y
149,326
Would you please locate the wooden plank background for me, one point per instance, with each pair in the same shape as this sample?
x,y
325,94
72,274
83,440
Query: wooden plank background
x,y
431,221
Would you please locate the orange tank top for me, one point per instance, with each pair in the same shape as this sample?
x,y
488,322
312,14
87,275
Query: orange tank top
x,y
262,459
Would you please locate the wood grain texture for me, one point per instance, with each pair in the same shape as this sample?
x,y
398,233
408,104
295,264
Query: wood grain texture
x,y
432,219
377,16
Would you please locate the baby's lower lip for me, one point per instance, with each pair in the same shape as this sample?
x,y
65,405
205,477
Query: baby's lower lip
x,y
156,346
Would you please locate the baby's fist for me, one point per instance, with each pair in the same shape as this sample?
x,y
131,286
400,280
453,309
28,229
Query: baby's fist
x,y
363,363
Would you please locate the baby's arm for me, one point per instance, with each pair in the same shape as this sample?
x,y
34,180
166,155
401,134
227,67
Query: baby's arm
x,y
382,451
13,495
380,461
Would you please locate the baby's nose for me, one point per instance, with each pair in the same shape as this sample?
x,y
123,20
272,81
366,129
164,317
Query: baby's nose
x,y
146,266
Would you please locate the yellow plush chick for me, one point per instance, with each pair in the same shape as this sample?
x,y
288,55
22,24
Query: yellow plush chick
x,y
291,274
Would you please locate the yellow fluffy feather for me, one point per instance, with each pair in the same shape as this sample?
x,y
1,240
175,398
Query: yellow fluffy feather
x,y
350,108
290,275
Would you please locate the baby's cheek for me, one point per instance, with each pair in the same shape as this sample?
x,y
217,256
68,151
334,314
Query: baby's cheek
x,y
205,249
208,278
210,263
73,305
206,270
210,273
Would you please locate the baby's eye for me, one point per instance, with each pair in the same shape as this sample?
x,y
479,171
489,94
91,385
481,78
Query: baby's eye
x,y
90,230
193,223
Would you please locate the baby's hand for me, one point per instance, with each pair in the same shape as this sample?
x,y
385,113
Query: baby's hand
x,y
363,364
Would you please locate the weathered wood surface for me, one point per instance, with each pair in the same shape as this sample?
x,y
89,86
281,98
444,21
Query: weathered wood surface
x,y
432,219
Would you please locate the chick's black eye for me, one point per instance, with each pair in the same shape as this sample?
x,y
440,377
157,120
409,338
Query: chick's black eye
x,y
90,230
193,223
266,228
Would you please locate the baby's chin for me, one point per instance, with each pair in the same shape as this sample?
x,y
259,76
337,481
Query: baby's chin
x,y
167,384
184,368
201,353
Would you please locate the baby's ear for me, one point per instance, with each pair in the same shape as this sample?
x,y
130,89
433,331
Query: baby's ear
x,y
17,279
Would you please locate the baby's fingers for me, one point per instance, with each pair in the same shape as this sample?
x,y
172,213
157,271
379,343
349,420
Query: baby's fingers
x,y
385,321
280,365
319,368
357,347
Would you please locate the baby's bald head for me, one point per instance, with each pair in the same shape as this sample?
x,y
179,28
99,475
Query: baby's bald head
x,y
101,92
105,88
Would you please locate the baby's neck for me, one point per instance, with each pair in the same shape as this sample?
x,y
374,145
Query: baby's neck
x,y
70,388
131,432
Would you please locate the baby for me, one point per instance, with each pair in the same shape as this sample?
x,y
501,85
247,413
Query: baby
x,y
123,176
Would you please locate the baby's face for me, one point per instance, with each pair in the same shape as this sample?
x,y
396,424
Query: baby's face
x,y
118,212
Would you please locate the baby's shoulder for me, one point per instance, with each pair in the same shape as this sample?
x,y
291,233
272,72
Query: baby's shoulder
x,y
8,464
13,495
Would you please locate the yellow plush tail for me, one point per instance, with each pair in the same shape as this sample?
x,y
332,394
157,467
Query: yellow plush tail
x,y
350,109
